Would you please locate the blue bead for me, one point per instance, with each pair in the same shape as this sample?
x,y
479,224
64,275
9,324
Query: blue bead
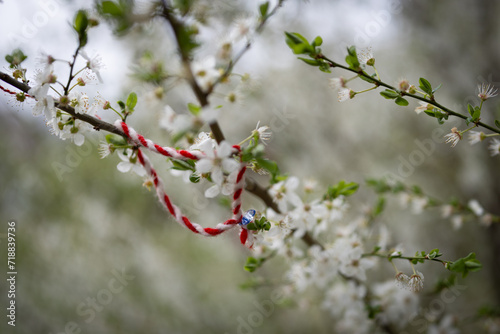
x,y
248,217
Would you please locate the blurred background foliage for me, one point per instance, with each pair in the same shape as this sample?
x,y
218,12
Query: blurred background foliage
x,y
72,233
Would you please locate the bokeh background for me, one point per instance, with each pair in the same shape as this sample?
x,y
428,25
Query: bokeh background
x,y
75,231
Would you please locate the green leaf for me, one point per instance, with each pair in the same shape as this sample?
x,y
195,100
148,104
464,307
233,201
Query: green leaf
x,y
194,109
425,86
110,8
380,186
81,21
194,178
435,89
352,58
131,101
470,109
497,123
466,265
401,102
312,62
325,67
389,94
183,164
379,207
298,43
476,114
186,38
341,188
263,9
183,5
16,58
270,166
434,254
116,140
121,104
317,41
253,264
367,79
120,14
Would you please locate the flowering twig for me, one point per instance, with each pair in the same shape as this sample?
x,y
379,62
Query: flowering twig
x,y
378,83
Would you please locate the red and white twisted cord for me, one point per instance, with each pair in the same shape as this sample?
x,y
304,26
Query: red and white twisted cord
x,y
13,93
139,140
164,199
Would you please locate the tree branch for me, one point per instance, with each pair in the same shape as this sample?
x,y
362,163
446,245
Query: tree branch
x,y
177,28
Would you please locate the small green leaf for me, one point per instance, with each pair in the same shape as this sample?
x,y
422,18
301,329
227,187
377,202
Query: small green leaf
x,y
131,101
380,186
352,58
465,265
110,8
435,89
253,264
497,123
183,5
341,188
312,62
121,104
194,178
317,41
263,9
182,164
434,254
194,109
476,114
389,94
367,79
16,58
325,67
379,207
270,166
116,140
298,43
81,21
401,102
425,86
470,109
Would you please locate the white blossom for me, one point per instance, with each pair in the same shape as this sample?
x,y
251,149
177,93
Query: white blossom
x,y
457,222
93,63
283,193
494,147
486,91
476,207
475,137
453,137
416,282
396,305
126,165
217,161
205,72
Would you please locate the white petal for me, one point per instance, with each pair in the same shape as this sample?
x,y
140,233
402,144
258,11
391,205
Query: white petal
x,y
78,139
207,148
124,166
209,115
230,165
224,149
227,189
139,170
217,176
212,191
204,166
292,183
